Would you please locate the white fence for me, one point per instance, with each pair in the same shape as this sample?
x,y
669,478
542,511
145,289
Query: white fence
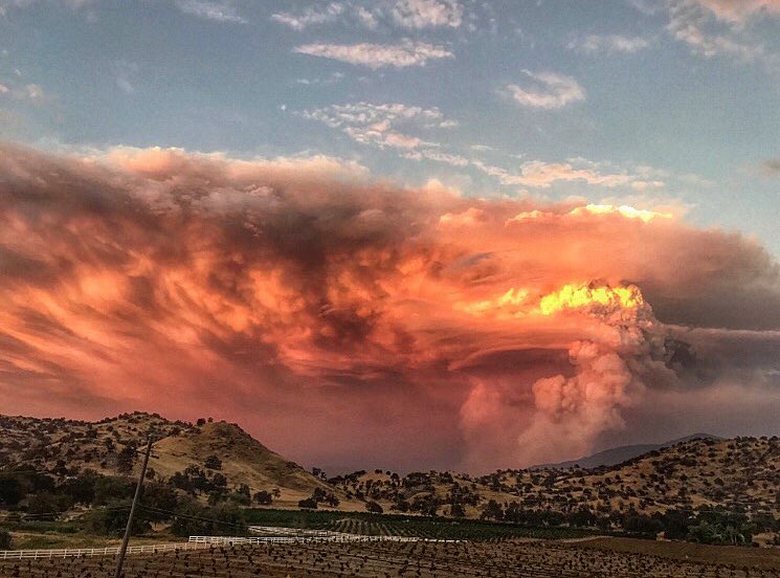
x,y
109,551
269,535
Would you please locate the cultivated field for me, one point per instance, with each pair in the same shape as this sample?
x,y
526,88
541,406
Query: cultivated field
x,y
512,558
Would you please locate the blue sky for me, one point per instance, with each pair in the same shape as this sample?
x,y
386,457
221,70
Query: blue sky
x,y
669,103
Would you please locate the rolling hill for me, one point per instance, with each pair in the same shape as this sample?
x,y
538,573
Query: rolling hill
x,y
203,459
113,446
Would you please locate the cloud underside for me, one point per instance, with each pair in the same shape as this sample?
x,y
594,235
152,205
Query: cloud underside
x,y
310,303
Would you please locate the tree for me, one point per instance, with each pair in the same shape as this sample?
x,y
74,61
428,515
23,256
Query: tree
x,y
457,511
109,488
48,506
308,504
81,489
162,498
492,511
5,540
263,498
374,508
111,521
125,459
10,491
193,519
213,463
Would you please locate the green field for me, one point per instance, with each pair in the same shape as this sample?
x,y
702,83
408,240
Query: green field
x,y
398,525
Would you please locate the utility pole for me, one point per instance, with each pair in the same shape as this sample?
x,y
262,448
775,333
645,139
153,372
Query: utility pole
x,y
123,550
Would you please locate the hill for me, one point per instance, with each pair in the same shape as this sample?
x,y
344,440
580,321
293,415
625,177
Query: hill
x,y
183,454
620,454
739,475
220,462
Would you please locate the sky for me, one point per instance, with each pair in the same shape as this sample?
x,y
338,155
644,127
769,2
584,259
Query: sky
x,y
408,234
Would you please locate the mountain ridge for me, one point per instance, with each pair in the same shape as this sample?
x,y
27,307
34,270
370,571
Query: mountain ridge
x,y
619,454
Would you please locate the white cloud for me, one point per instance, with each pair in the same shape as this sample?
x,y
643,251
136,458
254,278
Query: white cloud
x,y
310,16
381,125
719,28
547,90
738,11
438,156
209,10
610,44
427,13
541,175
376,56
410,14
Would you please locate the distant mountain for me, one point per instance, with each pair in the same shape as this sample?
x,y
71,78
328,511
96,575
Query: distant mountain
x,y
620,454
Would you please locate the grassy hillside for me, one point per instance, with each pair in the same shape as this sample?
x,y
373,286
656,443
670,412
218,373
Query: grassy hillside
x,y
113,446
740,474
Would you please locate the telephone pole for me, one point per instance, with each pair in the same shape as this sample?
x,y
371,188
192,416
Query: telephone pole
x,y
123,550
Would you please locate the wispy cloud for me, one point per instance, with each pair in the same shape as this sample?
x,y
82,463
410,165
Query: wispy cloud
x,y
311,16
206,9
381,125
125,73
428,13
410,14
30,92
377,56
609,44
547,90
537,174
719,28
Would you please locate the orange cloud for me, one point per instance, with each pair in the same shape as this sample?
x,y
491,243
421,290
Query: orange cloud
x,y
312,303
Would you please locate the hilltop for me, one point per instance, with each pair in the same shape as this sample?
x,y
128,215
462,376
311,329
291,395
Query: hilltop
x,y
198,458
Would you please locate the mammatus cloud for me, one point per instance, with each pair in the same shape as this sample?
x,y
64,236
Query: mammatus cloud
x,y
310,302
377,56
546,90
